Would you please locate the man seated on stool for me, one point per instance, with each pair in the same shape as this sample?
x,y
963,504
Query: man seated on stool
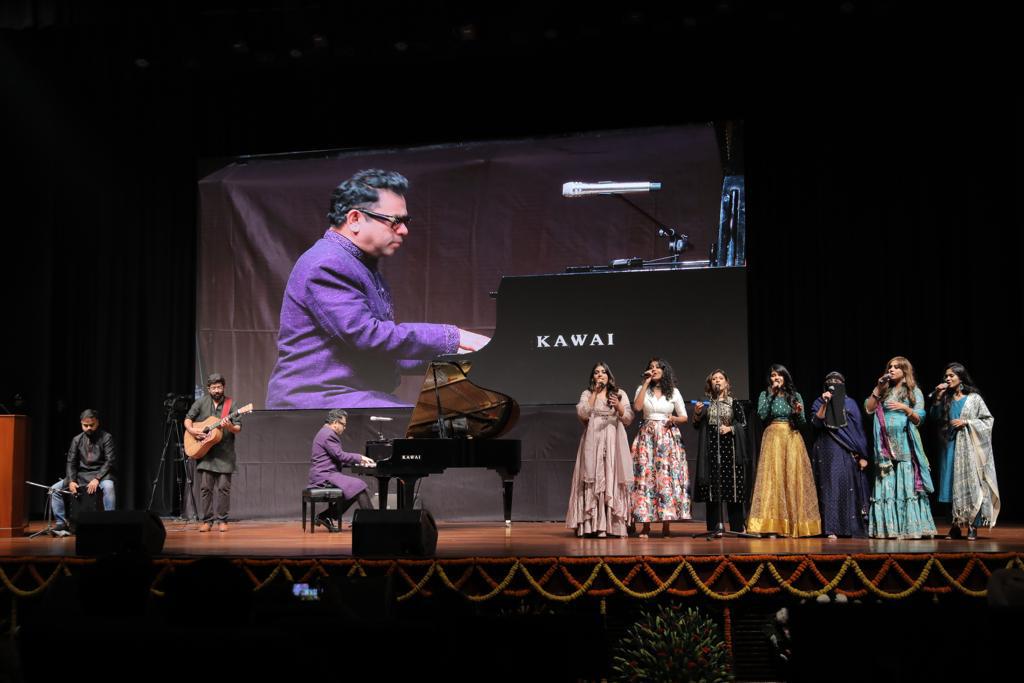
x,y
90,465
325,470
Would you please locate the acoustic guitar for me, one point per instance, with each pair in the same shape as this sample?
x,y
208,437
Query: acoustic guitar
x,y
213,428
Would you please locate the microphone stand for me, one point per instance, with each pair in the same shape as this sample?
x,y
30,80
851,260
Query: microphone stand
x,y
442,432
677,242
48,530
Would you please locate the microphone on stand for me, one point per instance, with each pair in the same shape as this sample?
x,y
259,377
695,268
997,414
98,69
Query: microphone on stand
x,y
573,190
380,418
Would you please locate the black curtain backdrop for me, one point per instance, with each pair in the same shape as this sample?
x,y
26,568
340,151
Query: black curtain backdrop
x,y
99,241
881,159
881,224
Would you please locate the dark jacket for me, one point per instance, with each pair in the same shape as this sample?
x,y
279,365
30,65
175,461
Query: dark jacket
x,y
91,457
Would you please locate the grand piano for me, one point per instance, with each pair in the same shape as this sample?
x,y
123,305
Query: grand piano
x,y
454,424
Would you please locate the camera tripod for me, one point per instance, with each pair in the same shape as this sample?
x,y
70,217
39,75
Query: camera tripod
x,y
183,467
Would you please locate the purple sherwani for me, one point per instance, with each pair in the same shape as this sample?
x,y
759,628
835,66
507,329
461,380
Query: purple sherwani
x,y
339,345
326,461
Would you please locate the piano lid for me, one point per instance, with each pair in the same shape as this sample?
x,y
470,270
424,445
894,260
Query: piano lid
x,y
467,411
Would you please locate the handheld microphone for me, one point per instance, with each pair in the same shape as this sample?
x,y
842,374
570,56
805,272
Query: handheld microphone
x,y
573,190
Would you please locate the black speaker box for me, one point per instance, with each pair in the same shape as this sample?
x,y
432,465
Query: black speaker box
x,y
393,532
102,533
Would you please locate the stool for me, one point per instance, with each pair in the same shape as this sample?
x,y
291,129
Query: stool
x,y
318,494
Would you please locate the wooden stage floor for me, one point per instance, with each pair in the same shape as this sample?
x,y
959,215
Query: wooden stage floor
x,y
285,539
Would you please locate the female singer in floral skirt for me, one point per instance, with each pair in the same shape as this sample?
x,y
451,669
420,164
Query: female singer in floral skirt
x,y
660,477
599,498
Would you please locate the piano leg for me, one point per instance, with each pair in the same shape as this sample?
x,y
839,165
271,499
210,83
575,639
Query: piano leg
x,y
407,492
383,484
507,499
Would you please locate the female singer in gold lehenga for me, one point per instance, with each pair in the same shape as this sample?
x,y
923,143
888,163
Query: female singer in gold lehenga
x,y
785,501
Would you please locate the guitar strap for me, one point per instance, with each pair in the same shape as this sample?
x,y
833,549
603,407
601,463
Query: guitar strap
x,y
226,409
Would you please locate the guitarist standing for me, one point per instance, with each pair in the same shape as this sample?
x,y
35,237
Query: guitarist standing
x,y
217,466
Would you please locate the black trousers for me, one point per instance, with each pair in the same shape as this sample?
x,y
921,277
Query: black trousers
x,y
737,520
340,507
208,483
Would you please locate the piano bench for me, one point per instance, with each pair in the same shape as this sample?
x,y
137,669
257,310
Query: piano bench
x,y
317,494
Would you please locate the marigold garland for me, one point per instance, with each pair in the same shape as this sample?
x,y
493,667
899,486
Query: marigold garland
x,y
480,579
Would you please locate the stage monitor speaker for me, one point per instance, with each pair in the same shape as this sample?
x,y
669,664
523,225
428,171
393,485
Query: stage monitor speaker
x,y
102,533
393,532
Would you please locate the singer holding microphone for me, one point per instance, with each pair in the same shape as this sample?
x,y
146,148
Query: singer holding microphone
x,y
839,457
968,476
784,502
722,452
599,498
899,498
660,477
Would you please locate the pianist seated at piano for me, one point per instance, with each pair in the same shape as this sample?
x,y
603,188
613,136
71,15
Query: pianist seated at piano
x,y
325,465
599,498
339,345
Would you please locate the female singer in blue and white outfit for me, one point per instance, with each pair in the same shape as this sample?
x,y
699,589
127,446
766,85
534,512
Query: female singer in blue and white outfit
x,y
968,475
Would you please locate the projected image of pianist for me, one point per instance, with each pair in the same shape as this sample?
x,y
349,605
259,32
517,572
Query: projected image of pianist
x,y
339,345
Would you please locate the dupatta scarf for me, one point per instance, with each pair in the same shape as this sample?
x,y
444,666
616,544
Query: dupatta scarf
x,y
975,490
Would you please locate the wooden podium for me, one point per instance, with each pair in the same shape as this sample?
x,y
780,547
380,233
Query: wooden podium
x,y
13,467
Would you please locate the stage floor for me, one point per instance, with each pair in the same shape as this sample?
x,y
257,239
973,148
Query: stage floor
x,y
285,539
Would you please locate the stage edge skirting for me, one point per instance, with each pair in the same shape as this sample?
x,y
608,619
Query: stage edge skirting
x,y
564,579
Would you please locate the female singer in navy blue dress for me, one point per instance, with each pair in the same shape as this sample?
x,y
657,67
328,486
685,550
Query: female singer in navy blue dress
x,y
839,458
